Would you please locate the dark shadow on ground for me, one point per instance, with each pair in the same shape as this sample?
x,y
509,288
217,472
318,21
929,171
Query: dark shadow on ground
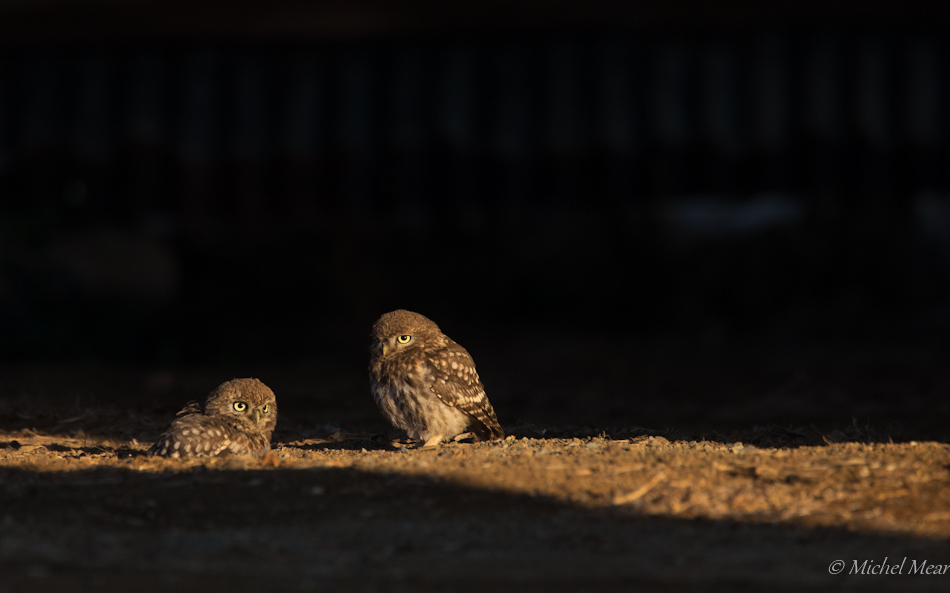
x,y
112,529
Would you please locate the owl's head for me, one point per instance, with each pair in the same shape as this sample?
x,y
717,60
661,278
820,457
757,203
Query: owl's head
x,y
399,331
245,402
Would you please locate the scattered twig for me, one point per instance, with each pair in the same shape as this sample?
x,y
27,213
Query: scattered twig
x,y
639,492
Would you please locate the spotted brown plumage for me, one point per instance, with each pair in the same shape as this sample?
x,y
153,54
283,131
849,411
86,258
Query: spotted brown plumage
x,y
425,383
237,418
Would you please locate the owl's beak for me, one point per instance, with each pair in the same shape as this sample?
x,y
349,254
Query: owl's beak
x,y
257,416
385,348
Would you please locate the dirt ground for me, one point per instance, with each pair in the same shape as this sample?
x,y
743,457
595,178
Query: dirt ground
x,y
691,498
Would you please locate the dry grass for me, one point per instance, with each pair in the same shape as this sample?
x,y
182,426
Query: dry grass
x,y
744,505
872,488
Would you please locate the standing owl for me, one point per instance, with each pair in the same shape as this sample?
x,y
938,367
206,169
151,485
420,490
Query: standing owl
x,y
425,383
237,418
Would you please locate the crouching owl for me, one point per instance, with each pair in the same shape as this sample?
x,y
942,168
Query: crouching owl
x,y
237,418
425,383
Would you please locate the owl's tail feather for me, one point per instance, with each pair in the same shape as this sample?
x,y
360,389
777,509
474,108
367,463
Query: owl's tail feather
x,y
487,431
191,407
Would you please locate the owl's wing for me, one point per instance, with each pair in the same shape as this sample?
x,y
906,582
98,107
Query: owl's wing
x,y
456,383
191,407
194,435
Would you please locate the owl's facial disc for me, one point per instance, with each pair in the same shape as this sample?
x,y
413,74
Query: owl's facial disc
x,y
256,414
394,344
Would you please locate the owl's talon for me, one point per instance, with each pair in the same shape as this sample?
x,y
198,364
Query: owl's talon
x,y
433,442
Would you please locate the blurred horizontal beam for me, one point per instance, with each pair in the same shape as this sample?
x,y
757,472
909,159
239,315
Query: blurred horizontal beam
x,y
43,21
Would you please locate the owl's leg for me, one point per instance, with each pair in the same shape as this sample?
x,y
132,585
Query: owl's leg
x,y
433,442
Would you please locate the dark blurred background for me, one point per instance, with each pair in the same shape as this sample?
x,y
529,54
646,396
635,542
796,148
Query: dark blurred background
x,y
229,185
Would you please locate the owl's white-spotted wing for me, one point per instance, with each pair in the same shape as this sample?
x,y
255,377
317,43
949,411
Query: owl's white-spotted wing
x,y
195,435
456,383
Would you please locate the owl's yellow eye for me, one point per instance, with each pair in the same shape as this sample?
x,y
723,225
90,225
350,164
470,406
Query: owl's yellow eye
x,y
264,409
240,406
404,339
